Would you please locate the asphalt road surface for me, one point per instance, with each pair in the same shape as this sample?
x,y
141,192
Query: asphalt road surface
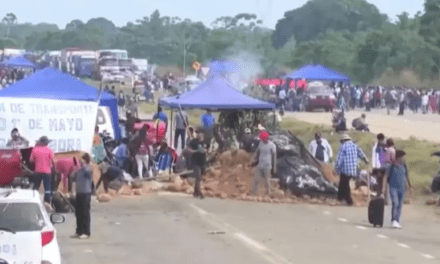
x,y
168,228
421,126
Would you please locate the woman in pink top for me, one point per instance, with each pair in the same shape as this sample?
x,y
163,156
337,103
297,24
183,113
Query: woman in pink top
x,y
390,152
42,157
66,167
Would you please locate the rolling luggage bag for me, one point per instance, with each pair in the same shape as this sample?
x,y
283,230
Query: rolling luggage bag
x,y
376,209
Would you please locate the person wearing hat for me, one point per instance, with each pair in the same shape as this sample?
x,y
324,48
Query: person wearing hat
x,y
346,166
43,159
84,190
247,142
321,149
265,162
398,179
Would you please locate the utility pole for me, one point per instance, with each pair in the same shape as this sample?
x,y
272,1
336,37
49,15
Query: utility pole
x,y
184,58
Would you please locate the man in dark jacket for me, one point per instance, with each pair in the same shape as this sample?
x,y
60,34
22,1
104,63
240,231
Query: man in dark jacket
x,y
84,191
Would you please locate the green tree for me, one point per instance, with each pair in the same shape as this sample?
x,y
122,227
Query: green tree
x,y
9,20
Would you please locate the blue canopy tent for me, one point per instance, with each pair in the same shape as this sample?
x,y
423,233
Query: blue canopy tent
x,y
50,83
317,73
216,94
18,62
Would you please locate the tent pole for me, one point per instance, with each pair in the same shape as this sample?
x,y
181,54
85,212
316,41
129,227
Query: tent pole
x,y
171,135
274,118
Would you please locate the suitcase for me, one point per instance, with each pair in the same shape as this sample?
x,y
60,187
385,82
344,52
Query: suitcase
x,y
376,209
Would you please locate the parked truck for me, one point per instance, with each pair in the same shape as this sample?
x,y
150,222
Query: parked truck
x,y
84,65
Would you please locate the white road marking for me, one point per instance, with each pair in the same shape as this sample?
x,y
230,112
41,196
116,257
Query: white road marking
x,y
88,251
381,236
343,220
173,194
264,252
198,209
361,227
428,256
326,212
117,223
250,241
403,245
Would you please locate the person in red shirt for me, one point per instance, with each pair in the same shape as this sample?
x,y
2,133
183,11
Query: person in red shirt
x,y
43,158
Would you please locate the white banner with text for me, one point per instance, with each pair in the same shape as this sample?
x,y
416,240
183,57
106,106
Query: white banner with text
x,y
68,124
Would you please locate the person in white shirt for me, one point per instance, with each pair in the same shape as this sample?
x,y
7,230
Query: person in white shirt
x,y
282,97
321,149
425,100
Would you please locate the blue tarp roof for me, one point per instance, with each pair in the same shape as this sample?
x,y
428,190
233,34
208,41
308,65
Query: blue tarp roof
x,y
50,83
215,93
19,62
317,72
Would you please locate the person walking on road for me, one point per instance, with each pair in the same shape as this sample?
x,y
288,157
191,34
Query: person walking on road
x,y
181,125
378,160
321,149
398,179
84,191
43,159
121,102
425,101
346,167
198,159
401,102
265,162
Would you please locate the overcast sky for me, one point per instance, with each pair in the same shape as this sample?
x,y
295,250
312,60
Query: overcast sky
x,y
121,12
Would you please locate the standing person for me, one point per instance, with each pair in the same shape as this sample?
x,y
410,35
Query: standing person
x,y
401,102
98,149
265,161
43,158
113,92
140,148
282,97
341,102
378,160
181,124
133,108
378,154
161,116
129,124
197,160
208,121
84,191
425,100
390,155
17,141
398,178
433,102
321,149
367,100
247,142
346,166
121,102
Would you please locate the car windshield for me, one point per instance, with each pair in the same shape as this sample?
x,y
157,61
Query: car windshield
x,y
21,217
109,62
320,90
125,63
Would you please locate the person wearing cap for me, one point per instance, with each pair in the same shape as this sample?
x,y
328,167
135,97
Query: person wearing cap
x,y
346,166
17,141
265,162
197,160
84,190
321,149
43,159
247,142
360,125
398,179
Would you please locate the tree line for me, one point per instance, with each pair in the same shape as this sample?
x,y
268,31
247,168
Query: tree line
x,y
351,36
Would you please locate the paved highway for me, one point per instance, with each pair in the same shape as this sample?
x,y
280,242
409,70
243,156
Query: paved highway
x,y
169,228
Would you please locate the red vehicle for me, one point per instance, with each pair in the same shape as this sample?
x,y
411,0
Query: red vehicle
x,y
11,165
318,97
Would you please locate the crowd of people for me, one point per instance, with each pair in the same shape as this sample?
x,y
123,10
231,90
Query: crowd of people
x,y
390,170
8,76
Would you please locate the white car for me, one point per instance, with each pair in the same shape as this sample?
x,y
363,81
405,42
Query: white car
x,y
27,234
